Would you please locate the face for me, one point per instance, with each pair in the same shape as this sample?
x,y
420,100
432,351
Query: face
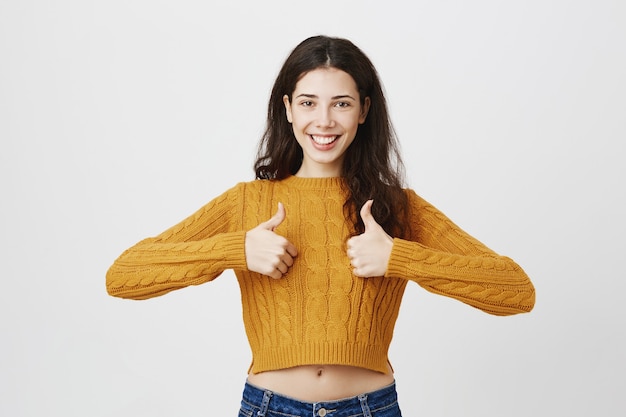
x,y
325,112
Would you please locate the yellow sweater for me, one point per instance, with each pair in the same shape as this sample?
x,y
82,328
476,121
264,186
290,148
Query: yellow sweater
x,y
319,312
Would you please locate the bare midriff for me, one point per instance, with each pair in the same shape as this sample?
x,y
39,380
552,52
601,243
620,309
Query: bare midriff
x,y
315,383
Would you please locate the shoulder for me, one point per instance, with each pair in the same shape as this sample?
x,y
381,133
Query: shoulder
x,y
246,191
420,208
414,199
253,186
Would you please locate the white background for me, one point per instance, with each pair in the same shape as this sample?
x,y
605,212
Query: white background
x,y
119,118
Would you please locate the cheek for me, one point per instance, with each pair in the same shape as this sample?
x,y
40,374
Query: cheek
x,y
297,127
299,131
352,122
299,122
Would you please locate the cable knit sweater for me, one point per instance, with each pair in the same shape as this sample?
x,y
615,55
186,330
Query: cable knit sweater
x,y
319,312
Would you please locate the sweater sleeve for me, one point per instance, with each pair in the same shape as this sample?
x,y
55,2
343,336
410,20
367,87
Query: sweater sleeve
x,y
445,260
195,251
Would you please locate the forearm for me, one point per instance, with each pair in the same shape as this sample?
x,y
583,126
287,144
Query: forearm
x,y
152,268
492,283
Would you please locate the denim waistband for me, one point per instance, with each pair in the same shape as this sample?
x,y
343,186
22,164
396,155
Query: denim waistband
x,y
261,402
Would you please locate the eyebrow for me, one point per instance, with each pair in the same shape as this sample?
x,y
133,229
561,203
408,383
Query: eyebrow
x,y
334,97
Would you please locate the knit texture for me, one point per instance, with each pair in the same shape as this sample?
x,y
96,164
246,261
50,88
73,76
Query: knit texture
x,y
319,312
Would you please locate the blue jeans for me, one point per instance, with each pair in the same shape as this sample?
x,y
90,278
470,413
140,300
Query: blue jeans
x,y
258,402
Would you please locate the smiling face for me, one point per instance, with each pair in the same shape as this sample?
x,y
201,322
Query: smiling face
x,y
325,112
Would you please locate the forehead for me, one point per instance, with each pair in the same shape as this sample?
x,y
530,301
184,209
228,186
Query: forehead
x,y
322,81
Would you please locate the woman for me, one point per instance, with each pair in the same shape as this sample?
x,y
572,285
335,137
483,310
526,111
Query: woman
x,y
323,243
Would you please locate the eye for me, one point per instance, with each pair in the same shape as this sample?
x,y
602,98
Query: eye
x,y
306,103
342,104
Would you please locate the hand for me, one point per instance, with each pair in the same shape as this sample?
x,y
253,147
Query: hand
x,y
369,252
267,252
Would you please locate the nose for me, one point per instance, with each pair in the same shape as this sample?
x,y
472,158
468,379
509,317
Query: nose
x,y
324,118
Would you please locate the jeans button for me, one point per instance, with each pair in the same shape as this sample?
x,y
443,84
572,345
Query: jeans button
x,y
322,412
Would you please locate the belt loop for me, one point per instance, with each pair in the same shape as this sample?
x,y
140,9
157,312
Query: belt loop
x,y
265,403
364,406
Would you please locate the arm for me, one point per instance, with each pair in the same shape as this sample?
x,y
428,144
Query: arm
x,y
445,260
192,252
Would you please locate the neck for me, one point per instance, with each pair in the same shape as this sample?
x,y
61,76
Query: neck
x,y
318,171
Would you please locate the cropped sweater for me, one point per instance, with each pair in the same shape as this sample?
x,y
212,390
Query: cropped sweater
x,y
319,312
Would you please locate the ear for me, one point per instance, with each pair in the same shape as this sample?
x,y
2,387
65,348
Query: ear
x,y
365,108
287,107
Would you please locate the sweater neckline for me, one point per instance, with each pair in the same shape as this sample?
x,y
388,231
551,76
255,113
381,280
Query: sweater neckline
x,y
315,183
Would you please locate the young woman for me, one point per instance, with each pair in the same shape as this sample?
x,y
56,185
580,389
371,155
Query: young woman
x,y
323,244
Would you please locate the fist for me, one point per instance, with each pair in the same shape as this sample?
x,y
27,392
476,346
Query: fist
x,y
267,252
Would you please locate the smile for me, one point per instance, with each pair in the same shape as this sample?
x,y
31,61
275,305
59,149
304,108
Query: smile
x,y
324,140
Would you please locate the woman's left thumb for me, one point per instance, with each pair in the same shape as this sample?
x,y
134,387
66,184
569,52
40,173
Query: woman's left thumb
x,y
366,215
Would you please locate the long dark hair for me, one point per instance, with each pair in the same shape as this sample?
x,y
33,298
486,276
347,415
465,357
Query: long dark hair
x,y
372,167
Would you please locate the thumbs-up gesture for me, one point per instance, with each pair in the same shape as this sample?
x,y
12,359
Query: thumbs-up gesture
x,y
369,252
267,252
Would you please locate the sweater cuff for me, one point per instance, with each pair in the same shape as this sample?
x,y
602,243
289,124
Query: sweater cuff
x,y
233,249
402,253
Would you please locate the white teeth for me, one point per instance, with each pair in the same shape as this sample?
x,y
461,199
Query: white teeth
x,y
323,140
